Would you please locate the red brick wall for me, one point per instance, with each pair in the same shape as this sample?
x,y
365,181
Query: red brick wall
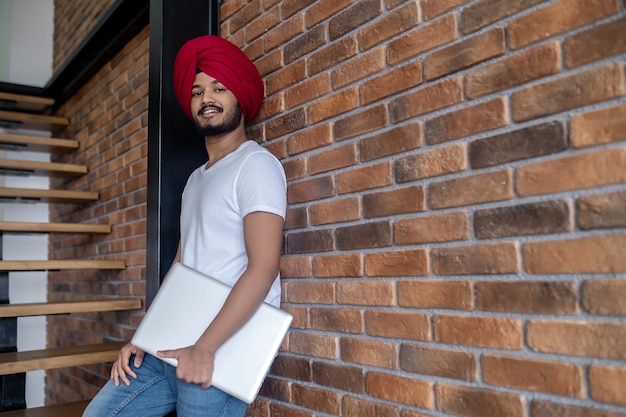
x,y
73,20
455,241
108,117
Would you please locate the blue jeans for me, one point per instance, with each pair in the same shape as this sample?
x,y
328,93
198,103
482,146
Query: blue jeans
x,y
157,391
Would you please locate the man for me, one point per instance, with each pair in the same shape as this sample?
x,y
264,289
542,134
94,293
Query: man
x,y
232,214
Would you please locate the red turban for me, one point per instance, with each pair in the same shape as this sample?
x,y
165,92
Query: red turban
x,y
223,61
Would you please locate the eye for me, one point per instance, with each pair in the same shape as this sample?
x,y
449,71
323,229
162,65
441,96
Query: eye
x,y
196,93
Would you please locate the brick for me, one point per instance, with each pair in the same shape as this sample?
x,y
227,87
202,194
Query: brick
x,y
365,178
285,124
580,171
538,140
428,99
487,258
389,25
308,190
558,378
246,15
394,141
433,8
373,293
310,241
431,163
605,297
292,367
336,211
307,91
456,295
291,7
491,332
396,201
578,338
333,159
357,407
465,54
344,320
475,189
309,41
536,297
333,105
392,82
607,383
260,26
467,121
436,361
316,345
338,265
282,34
300,314
332,54
514,70
310,292
422,39
400,389
285,77
272,106
569,92
544,217
397,263
309,139
358,68
296,218
324,10
295,169
353,17
586,255
397,325
316,399
366,235
541,408
600,126
475,402
433,228
485,12
345,378
602,211
295,267
366,121
269,63
560,17
599,42
368,352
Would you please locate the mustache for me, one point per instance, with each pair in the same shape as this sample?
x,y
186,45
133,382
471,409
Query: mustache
x,y
212,106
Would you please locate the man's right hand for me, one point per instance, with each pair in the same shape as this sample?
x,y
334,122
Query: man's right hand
x,y
121,367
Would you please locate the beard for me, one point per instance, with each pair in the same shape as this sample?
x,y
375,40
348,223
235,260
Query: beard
x,y
230,123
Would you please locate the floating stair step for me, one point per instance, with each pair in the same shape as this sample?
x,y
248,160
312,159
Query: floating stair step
x,y
15,120
61,265
48,196
52,169
36,227
67,307
73,409
16,362
36,143
10,101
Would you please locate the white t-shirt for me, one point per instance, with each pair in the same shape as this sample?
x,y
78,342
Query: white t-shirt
x,y
216,200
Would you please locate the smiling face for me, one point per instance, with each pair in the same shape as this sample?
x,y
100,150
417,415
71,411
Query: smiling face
x,y
214,108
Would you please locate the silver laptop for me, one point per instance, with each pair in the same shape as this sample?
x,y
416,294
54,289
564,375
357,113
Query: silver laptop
x,y
184,307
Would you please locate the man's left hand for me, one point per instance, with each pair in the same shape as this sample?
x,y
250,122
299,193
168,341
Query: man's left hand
x,y
194,365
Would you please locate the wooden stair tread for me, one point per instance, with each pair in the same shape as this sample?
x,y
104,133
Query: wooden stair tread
x,y
33,121
24,102
16,362
67,307
36,143
50,196
53,169
61,265
39,227
73,409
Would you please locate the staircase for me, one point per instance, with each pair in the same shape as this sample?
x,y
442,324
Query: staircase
x,y
19,111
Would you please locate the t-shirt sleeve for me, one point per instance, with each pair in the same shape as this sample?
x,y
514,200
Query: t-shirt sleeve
x,y
261,185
